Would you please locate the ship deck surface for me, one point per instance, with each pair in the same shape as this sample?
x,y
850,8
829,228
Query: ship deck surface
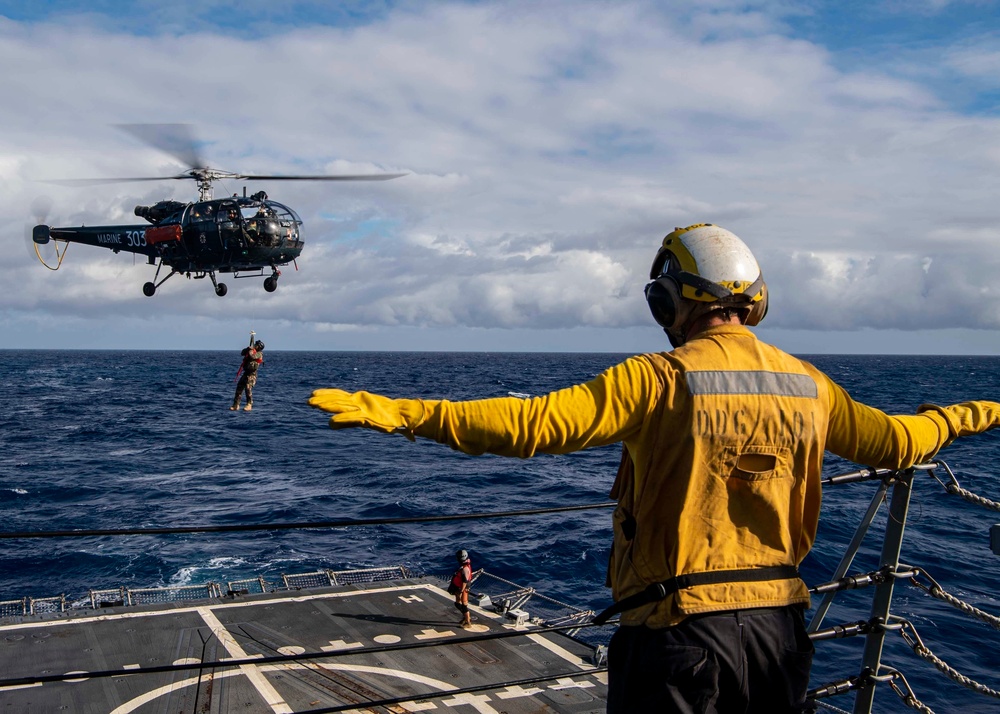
x,y
355,624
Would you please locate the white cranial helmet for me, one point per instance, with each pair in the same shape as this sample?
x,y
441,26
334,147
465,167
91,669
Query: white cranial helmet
x,y
700,266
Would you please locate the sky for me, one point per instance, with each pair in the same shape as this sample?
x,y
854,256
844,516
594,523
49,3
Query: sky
x,y
548,148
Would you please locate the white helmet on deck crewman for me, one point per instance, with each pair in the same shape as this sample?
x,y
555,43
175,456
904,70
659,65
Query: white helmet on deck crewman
x,y
699,269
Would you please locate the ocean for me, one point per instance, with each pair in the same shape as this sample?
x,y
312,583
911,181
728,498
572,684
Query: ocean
x,y
145,439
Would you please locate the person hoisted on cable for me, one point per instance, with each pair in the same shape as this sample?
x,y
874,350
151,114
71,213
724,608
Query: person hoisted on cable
x,y
718,490
253,358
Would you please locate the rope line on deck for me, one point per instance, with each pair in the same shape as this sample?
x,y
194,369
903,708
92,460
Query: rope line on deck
x,y
905,692
343,523
972,497
935,590
952,673
448,693
955,488
924,652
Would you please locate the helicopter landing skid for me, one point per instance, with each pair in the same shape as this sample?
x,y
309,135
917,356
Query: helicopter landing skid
x,y
271,283
149,289
220,288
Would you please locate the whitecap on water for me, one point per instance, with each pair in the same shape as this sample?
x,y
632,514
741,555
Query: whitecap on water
x,y
184,575
125,452
226,562
190,575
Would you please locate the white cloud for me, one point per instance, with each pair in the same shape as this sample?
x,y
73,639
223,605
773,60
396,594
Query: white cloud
x,y
548,149
980,61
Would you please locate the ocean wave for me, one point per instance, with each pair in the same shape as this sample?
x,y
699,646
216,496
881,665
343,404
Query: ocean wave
x,y
158,447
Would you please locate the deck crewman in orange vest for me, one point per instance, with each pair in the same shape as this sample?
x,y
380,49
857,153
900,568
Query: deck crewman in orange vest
x,y
459,587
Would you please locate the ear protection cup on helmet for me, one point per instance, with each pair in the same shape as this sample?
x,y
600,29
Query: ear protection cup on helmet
x,y
669,309
758,309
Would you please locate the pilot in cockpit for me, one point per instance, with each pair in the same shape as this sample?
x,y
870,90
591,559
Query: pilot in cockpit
x,y
266,225
231,221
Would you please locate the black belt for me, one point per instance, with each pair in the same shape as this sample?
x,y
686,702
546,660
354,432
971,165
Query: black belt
x,y
658,591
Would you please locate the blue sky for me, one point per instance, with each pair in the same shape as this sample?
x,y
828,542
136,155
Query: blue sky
x,y
548,147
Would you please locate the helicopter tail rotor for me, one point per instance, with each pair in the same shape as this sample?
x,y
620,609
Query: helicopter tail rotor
x,y
39,235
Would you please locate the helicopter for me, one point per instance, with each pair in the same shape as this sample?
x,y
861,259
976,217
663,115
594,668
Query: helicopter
x,y
246,236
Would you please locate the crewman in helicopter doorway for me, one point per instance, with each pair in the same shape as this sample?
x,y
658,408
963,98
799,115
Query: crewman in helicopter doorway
x,y
253,358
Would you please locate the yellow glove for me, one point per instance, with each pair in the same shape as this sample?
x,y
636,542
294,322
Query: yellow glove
x,y
372,411
966,418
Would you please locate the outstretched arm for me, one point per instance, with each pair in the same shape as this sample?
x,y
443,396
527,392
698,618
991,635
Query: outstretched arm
x,y
603,411
868,436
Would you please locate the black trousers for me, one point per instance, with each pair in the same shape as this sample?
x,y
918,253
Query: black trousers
x,y
733,662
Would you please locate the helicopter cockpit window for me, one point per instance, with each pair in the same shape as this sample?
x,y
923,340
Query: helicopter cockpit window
x,y
285,215
201,212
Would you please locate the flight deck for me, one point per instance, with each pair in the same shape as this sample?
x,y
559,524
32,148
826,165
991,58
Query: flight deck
x,y
388,646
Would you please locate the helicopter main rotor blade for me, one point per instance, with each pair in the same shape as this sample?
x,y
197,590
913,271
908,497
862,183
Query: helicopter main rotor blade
x,y
101,181
335,177
175,139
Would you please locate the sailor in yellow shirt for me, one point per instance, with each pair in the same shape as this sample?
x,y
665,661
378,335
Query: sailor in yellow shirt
x,y
719,488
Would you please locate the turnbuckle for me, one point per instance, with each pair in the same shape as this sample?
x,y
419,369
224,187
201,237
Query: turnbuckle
x,y
841,631
875,577
842,686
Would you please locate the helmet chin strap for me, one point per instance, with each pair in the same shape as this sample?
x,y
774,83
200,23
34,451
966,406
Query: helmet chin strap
x,y
674,336
678,336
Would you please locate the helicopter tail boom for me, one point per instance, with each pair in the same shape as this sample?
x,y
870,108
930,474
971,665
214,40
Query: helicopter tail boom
x,y
131,239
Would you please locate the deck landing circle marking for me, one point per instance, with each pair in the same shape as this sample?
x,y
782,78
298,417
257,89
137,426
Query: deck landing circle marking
x,y
152,695
291,650
477,628
186,660
387,639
